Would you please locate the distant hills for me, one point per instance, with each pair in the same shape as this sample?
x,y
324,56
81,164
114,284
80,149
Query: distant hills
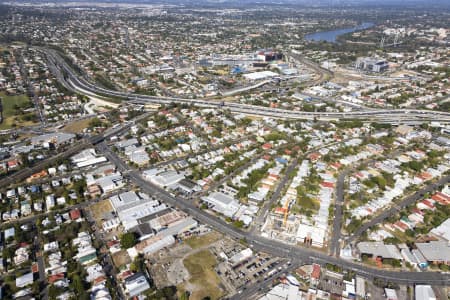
x,y
311,3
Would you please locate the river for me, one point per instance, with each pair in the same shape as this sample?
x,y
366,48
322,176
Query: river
x,y
331,35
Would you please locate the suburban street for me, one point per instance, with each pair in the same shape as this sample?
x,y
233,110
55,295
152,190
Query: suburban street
x,y
275,196
409,200
334,244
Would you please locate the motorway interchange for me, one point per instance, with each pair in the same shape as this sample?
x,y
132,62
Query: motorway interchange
x,y
394,116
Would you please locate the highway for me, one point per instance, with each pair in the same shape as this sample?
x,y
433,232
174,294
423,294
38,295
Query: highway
x,y
84,87
270,246
325,74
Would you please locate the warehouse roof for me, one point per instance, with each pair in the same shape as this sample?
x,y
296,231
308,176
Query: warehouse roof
x,y
435,250
379,249
443,230
260,75
424,292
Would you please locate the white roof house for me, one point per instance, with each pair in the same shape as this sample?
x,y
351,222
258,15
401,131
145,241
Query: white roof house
x,y
127,143
24,280
10,232
124,199
163,178
136,284
100,292
391,294
84,155
139,157
110,182
130,216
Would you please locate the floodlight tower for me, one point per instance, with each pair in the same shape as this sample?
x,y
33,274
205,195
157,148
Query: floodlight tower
x,y
397,35
382,42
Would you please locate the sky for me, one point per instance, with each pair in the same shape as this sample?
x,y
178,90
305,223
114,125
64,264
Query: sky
x,y
444,4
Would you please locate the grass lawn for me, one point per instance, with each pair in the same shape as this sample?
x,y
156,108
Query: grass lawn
x,y
203,279
9,112
203,240
308,203
77,126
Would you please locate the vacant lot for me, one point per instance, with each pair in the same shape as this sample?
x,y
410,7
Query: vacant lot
x,y
203,240
121,258
100,210
77,126
203,280
13,111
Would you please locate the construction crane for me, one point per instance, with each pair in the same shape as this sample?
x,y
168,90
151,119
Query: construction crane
x,y
385,39
286,211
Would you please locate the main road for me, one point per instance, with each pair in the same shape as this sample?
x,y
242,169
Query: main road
x,y
81,85
270,246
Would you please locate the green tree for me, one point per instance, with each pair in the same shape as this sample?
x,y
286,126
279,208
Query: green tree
x,y
185,296
79,187
95,122
138,264
53,292
79,287
128,240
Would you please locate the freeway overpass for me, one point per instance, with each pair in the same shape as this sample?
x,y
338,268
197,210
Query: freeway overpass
x,y
83,86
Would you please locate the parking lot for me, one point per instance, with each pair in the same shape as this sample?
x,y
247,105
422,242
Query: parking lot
x,y
255,269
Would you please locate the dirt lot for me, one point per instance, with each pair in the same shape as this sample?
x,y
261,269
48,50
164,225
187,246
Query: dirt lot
x,y
121,258
77,126
99,210
203,240
190,266
203,280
